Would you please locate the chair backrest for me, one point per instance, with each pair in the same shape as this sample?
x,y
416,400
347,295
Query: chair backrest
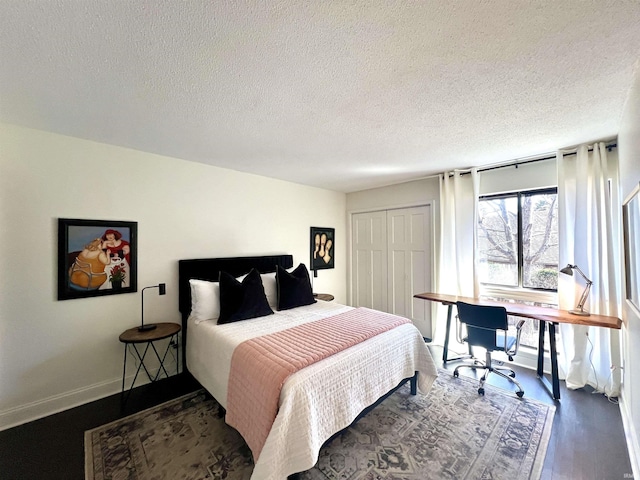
x,y
482,323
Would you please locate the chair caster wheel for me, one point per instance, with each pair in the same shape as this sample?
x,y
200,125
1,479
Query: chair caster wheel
x,y
481,391
520,394
455,373
512,374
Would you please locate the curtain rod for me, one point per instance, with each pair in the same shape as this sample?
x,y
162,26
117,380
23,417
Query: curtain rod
x,y
609,146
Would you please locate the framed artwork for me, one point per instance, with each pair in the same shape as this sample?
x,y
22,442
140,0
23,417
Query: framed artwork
x,y
631,228
322,248
96,257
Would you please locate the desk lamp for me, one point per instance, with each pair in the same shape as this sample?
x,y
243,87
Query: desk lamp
x,y
579,310
162,289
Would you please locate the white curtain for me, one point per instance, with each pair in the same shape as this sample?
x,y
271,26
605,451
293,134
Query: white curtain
x,y
457,258
588,186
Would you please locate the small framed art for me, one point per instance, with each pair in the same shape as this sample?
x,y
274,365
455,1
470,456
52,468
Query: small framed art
x,y
631,228
323,244
96,257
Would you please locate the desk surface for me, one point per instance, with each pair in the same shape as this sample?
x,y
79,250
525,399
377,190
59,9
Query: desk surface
x,y
529,311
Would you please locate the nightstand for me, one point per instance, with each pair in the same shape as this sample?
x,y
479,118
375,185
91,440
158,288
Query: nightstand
x,y
327,297
133,337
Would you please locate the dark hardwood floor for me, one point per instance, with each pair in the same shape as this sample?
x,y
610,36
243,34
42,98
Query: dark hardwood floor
x,y
587,441
53,447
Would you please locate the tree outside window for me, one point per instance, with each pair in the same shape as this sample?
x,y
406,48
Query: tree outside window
x,y
518,240
518,246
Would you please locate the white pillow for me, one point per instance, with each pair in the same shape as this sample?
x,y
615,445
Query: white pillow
x,y
205,300
270,287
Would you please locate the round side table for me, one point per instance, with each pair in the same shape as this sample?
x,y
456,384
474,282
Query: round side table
x,y
327,297
133,337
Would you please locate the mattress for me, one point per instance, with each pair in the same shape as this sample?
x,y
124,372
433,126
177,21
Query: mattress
x,y
319,400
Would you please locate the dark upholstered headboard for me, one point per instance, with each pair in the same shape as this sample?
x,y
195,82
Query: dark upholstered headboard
x,y
209,269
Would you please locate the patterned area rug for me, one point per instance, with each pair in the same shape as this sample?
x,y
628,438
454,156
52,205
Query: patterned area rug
x,y
451,433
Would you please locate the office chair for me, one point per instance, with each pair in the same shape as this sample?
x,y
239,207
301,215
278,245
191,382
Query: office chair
x,y
487,327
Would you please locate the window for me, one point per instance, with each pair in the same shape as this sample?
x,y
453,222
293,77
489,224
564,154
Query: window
x,y
518,240
518,249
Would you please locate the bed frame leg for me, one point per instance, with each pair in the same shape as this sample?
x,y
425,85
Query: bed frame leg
x,y
414,384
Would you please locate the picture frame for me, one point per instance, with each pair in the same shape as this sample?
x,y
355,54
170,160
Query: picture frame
x,y
322,248
96,258
631,229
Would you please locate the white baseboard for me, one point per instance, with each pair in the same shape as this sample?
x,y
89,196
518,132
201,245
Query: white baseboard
x,y
631,436
528,358
12,417
29,412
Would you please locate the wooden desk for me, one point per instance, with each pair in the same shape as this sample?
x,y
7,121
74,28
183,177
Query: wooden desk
x,y
546,316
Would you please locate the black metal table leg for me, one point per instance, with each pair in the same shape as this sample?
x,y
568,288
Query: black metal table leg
x,y
134,337
142,365
124,368
161,367
555,379
554,387
124,371
542,326
445,351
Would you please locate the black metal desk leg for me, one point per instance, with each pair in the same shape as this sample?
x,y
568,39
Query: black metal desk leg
x,y
554,360
554,387
542,326
445,350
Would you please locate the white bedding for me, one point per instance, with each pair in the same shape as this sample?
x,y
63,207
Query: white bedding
x,y
319,400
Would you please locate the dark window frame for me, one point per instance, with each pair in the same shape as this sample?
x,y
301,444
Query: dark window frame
x,y
520,254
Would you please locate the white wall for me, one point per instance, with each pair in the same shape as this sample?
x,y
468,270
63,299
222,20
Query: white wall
x,y
529,176
417,192
55,354
629,161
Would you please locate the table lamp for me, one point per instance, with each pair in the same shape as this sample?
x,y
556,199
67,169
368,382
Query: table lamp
x,y
579,310
162,289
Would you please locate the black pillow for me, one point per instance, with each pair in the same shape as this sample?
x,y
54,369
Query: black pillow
x,y
294,289
242,300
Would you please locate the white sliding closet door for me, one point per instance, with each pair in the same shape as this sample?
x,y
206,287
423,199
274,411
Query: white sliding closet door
x,y
409,272
391,261
369,260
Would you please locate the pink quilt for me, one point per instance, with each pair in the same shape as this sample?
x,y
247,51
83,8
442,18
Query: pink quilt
x,y
260,366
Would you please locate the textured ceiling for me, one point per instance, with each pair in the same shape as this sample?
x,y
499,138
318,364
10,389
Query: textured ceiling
x,y
344,95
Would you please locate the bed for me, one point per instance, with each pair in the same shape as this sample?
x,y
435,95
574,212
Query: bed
x,y
315,402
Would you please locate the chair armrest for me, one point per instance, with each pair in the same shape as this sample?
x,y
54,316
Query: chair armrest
x,y
459,331
519,326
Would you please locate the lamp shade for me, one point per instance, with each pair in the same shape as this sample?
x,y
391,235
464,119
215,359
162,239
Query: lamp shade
x,y
568,270
579,310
